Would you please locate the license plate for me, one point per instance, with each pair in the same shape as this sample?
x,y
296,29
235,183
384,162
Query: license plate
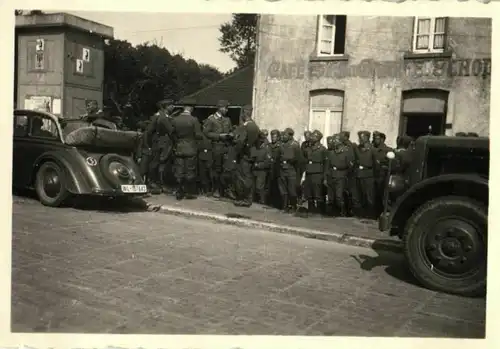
x,y
134,188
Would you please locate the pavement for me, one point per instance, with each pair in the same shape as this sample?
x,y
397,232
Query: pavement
x,y
350,231
107,270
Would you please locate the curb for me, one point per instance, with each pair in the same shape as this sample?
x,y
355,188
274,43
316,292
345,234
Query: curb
x,y
341,238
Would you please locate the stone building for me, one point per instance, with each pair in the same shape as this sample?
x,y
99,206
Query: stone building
x,y
398,75
59,62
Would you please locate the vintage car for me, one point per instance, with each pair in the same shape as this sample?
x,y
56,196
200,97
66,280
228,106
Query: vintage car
x,y
439,208
61,158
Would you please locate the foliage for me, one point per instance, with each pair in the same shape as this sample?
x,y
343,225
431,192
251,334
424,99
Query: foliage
x,y
238,38
140,76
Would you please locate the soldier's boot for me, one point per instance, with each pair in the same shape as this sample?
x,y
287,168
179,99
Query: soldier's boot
x,y
342,210
311,207
292,203
320,207
262,197
191,189
285,206
329,208
180,193
154,189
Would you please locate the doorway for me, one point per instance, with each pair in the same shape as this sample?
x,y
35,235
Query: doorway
x,y
423,112
421,124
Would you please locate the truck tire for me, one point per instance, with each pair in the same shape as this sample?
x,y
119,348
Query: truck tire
x,y
50,185
445,245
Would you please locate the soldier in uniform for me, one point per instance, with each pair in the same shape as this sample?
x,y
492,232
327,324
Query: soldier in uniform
x,y
205,163
165,144
265,136
186,133
274,148
290,158
229,167
351,186
315,155
337,167
217,128
261,159
380,150
363,200
245,137
154,148
306,142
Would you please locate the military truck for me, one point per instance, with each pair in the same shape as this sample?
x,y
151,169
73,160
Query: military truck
x,y
438,207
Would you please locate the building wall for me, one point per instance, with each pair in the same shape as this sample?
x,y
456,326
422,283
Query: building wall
x,y
373,74
43,82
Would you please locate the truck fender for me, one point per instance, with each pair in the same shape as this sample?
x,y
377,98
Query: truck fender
x,y
469,185
76,182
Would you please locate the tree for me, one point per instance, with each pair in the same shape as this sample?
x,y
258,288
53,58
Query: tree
x,y
138,77
238,38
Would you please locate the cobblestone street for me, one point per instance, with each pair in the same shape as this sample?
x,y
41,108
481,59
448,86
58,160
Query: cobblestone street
x,y
78,270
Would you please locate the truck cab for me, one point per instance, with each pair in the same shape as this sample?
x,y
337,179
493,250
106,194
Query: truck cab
x,y
438,207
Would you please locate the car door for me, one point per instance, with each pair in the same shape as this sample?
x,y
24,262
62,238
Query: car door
x,y
19,140
43,136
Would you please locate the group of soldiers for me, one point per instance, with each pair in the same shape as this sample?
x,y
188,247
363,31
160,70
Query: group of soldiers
x,y
241,163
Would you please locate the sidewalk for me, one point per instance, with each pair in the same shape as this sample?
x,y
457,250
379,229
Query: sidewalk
x,y
349,231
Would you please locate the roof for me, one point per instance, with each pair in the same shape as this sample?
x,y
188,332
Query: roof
x,y
63,20
236,88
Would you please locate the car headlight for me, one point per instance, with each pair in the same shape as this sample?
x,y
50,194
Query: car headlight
x,y
121,172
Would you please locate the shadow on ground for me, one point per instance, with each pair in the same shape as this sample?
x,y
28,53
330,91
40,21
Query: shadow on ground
x,y
93,203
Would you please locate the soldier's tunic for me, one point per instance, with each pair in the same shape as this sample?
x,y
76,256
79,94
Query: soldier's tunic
x,y
290,159
261,159
213,127
380,173
273,177
186,133
151,156
205,161
338,164
315,156
245,138
352,183
365,162
165,145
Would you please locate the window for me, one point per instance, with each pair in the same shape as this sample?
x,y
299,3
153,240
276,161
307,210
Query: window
x,y
20,125
429,34
43,127
326,112
331,35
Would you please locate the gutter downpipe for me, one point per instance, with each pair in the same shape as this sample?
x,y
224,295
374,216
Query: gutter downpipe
x,y
256,68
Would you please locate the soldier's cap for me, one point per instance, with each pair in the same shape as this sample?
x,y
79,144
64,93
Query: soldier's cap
x,y
165,102
346,134
318,134
275,132
247,108
289,131
377,133
364,133
307,132
330,138
222,103
264,132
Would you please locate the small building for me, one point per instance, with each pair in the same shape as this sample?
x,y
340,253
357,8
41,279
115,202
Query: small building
x,y
59,62
398,75
236,88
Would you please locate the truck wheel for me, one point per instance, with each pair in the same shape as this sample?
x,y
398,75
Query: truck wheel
x,y
50,185
445,244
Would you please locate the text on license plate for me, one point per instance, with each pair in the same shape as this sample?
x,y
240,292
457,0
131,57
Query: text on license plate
x,y
134,188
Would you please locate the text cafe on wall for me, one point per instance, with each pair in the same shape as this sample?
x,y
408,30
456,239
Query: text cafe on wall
x,y
398,75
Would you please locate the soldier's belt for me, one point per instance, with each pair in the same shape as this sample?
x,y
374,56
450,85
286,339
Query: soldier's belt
x,y
364,168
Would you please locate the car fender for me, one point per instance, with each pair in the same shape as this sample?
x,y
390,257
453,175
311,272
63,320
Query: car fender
x,y
413,196
77,182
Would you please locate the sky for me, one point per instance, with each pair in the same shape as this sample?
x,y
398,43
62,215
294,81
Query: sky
x,y
193,35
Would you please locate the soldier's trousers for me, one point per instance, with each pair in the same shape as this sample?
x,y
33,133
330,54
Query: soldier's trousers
x,y
154,168
380,184
244,181
313,187
364,197
260,184
185,172
287,184
205,175
336,188
274,196
219,154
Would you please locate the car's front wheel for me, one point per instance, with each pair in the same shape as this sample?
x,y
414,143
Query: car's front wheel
x,y
50,185
445,244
